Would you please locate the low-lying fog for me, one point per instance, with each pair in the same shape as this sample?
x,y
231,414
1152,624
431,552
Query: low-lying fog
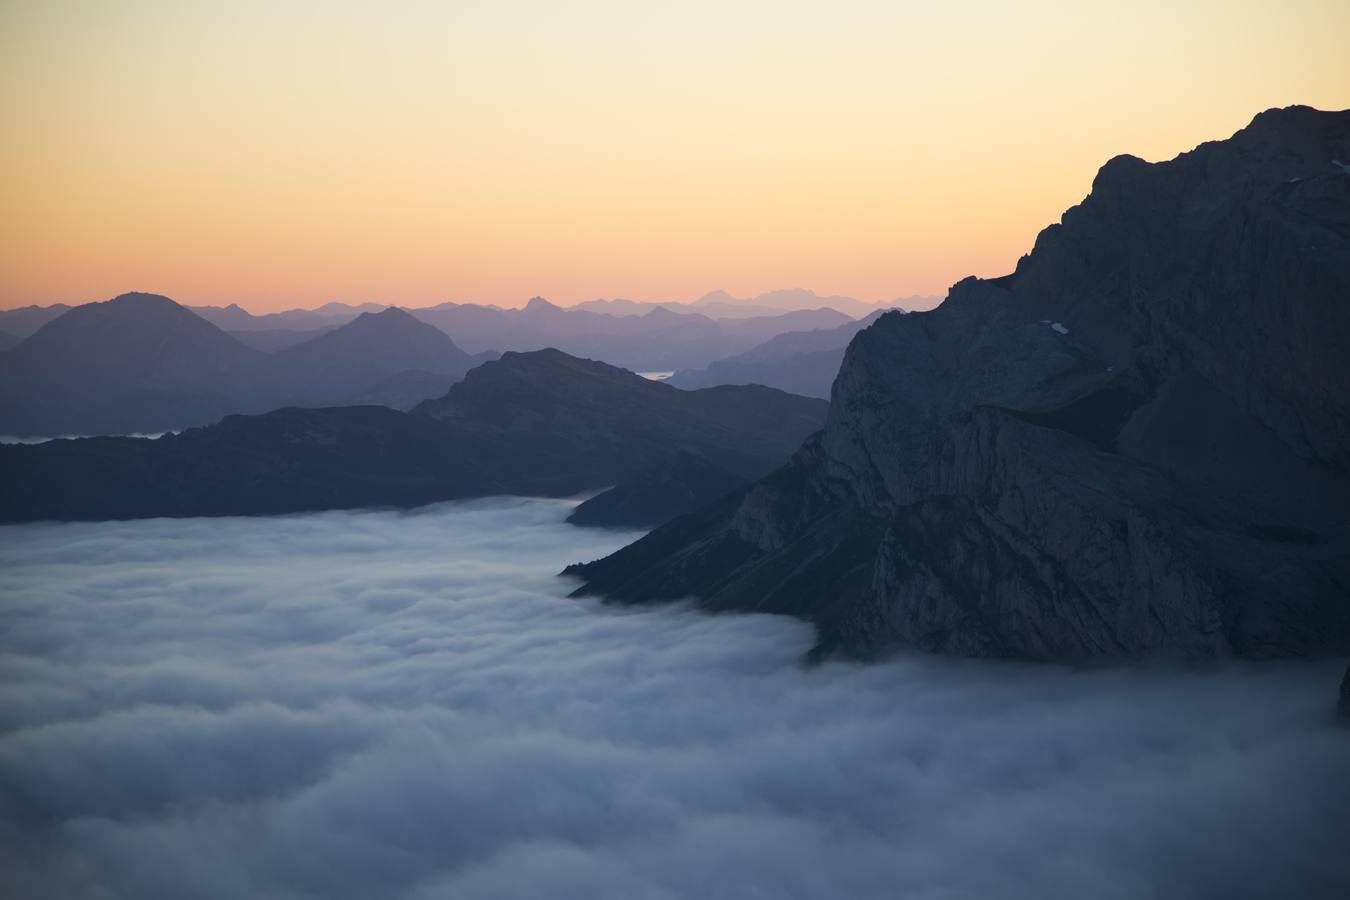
x,y
42,439
386,704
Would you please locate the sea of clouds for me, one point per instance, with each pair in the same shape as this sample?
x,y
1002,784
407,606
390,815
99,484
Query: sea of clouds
x,y
405,705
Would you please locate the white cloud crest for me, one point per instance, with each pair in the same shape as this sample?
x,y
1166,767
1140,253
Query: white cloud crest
x,y
404,704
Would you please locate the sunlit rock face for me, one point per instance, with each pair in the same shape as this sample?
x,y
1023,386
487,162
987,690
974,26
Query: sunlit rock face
x,y
1138,442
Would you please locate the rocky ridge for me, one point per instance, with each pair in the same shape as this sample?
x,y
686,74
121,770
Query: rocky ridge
x,y
1138,442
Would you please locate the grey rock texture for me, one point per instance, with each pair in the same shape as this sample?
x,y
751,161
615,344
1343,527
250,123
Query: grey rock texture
x,y
1137,443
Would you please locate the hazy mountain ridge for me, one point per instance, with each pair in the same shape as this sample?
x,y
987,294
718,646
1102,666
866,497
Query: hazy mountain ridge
x,y
1136,443
138,362
720,304
659,338
271,340
535,424
336,365
800,362
141,362
26,320
235,318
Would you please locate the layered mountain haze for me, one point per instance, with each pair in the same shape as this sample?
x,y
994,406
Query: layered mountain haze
x,y
659,338
138,362
800,362
375,346
787,299
540,423
722,305
26,320
1138,442
141,363
235,318
270,340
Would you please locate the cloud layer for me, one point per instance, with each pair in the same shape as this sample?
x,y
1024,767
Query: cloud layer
x,y
395,704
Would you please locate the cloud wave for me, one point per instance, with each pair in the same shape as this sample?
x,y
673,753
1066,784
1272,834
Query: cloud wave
x,y
404,704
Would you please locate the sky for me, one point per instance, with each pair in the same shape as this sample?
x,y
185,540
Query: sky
x,y
283,154
406,705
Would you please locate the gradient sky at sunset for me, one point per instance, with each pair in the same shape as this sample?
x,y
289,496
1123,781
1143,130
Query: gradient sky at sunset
x,y
281,154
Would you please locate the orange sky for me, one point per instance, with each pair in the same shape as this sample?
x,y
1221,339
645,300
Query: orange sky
x,y
281,154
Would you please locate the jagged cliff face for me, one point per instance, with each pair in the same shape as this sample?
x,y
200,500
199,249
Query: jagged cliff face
x,y
1138,442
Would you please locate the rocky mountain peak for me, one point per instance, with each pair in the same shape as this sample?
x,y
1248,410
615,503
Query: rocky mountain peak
x,y
1139,441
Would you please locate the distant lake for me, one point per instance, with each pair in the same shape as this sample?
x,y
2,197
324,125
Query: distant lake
x,y
656,376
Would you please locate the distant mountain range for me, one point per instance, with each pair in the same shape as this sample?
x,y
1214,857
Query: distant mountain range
x,y
142,363
658,339
482,326
1138,442
25,320
721,305
800,362
235,318
541,423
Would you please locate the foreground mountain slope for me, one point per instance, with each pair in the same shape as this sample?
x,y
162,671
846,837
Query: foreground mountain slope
x,y
534,424
1138,442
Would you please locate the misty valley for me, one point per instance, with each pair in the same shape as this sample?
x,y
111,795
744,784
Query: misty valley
x,y
381,703
1039,588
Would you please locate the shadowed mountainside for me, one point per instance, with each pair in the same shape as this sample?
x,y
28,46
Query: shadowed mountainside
x,y
1138,442
673,487
539,423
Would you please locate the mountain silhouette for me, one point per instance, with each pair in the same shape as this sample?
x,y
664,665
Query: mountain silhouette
x,y
538,423
800,362
1138,442
137,362
336,365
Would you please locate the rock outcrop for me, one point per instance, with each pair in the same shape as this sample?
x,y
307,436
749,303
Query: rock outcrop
x,y
1137,443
